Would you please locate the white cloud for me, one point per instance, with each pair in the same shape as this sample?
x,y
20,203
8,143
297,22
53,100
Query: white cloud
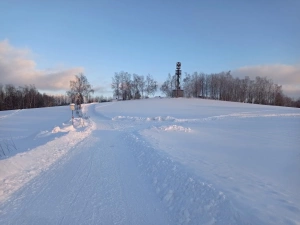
x,y
286,75
18,68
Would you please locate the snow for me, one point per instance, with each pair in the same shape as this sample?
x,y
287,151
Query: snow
x,y
152,161
17,170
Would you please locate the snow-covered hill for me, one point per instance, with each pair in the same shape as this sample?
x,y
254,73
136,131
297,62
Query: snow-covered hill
x,y
153,161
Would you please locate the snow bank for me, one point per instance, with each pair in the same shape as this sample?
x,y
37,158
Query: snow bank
x,y
65,129
78,124
21,168
175,128
136,119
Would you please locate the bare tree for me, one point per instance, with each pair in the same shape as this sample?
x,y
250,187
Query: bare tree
x,y
116,81
138,86
135,88
141,85
79,88
187,85
168,85
125,85
151,85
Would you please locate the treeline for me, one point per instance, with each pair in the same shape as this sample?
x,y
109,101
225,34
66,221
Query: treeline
x,y
218,86
27,97
223,86
126,86
100,99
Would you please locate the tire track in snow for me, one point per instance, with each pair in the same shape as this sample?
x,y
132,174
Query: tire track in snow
x,y
189,199
11,114
89,165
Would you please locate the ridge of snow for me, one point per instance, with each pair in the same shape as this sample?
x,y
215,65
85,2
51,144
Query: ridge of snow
x,y
175,128
183,120
19,169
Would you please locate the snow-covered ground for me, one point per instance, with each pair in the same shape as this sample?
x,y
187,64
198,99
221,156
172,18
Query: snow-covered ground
x,y
153,161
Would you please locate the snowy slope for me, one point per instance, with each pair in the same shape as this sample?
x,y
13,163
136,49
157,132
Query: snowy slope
x,y
154,161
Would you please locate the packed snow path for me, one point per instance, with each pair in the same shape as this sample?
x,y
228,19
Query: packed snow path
x,y
116,175
97,183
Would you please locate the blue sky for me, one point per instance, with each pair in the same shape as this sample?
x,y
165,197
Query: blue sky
x,y
59,38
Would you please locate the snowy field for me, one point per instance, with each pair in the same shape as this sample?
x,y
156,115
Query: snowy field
x,y
153,161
